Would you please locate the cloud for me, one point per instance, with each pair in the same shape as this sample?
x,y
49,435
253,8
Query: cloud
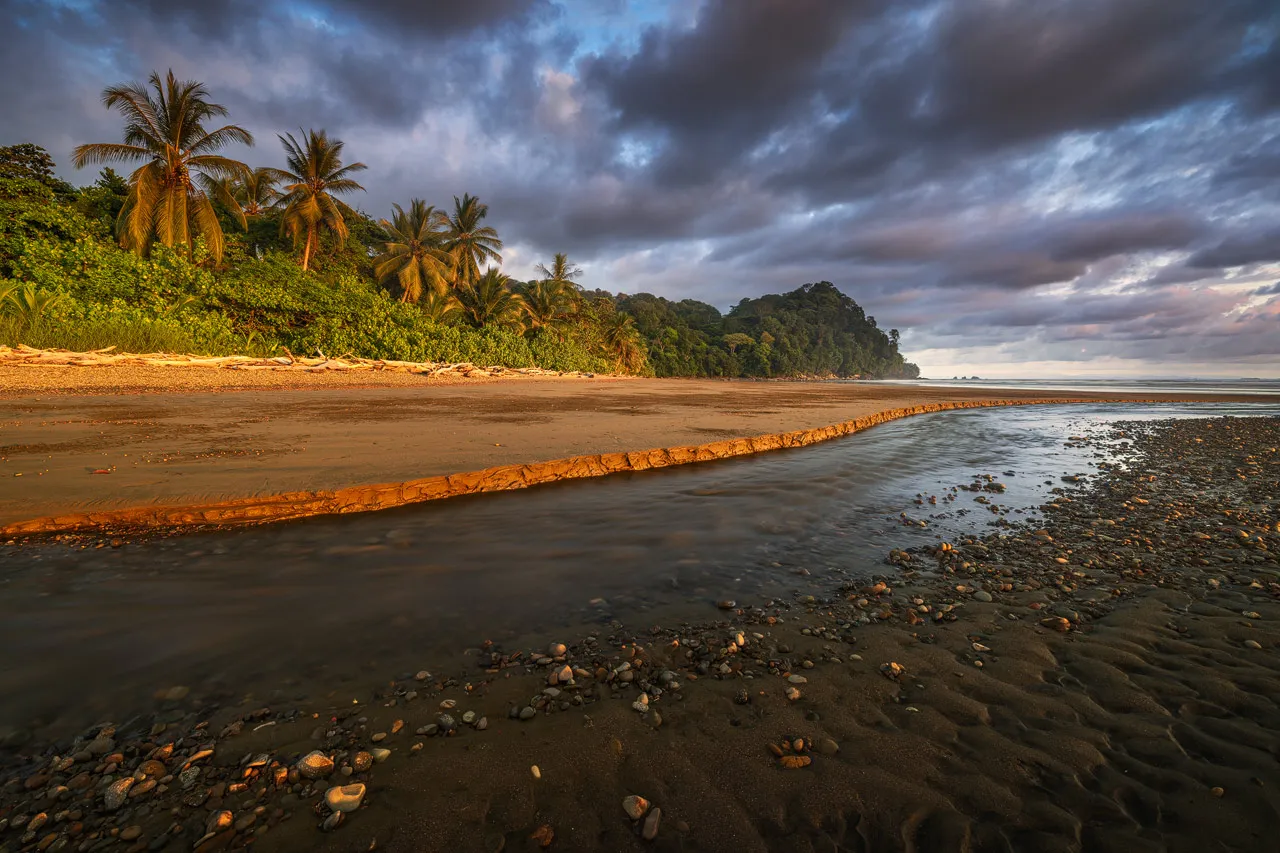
x,y
1050,176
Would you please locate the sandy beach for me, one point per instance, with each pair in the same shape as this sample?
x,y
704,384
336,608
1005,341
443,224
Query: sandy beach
x,y
1105,679
136,447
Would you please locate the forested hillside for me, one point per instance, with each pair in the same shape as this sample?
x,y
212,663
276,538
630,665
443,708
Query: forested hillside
x,y
194,252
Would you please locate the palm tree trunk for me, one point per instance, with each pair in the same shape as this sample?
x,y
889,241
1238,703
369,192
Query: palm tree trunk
x,y
306,250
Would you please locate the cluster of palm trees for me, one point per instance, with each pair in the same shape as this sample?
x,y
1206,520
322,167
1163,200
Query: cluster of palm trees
x,y
432,258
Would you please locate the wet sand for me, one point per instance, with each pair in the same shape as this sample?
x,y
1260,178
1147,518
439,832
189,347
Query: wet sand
x,y
164,450
1109,680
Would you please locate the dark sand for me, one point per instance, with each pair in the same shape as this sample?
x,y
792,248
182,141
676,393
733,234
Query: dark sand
x,y
1128,699
164,440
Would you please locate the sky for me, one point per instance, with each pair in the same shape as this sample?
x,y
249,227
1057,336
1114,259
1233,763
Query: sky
x,y
1048,188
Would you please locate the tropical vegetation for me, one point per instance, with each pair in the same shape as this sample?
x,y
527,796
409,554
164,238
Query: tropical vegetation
x,y
196,251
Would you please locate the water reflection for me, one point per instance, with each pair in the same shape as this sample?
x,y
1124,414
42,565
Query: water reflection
x,y
305,606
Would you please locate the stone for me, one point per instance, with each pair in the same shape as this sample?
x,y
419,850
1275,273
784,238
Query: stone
x,y
650,829
362,761
982,595
379,737
332,822
422,675
1253,644
315,765
795,762
469,717
793,693
218,821
561,675
130,833
797,679
527,713
101,746
116,794
381,755
635,806
482,724
345,798
828,747
557,650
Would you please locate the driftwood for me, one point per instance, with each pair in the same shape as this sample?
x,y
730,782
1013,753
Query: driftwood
x,y
25,356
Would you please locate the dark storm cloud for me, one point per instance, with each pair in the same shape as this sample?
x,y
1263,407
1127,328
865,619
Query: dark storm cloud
x,y
1060,174
1239,249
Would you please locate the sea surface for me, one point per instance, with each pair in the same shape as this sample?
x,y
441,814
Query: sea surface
x,y
1157,387
330,606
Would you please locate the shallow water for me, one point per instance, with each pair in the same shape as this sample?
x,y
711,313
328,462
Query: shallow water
x,y
302,609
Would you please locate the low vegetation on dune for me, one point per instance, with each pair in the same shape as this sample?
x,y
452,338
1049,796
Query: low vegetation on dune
x,y
196,252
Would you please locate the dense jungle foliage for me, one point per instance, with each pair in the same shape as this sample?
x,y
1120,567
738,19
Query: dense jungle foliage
x,y
194,252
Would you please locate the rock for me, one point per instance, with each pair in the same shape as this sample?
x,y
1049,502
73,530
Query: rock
x,y
422,675
557,650
797,679
1253,644
561,675
795,762
537,774
115,795
726,604
482,724
379,737
527,713
101,746
469,717
381,755
332,822
741,697
982,595
828,747
635,806
315,765
153,768
650,830
362,761
130,833
793,693
345,798
218,821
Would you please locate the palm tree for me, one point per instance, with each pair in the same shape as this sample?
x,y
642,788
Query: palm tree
x,y
165,131
561,271
547,302
622,340
489,301
257,191
315,175
440,305
471,243
415,253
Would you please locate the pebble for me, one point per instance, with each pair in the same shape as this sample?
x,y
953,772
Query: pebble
x,y
557,650
345,798
797,679
650,830
313,765
793,693
362,761
422,675
527,713
115,796
332,822
130,833
381,755
828,747
379,737
537,774
982,595
635,806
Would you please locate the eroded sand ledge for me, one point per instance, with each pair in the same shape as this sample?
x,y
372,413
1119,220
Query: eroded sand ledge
x,y
365,498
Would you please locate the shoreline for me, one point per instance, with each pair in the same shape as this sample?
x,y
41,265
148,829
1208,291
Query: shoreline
x,y
187,457
1103,678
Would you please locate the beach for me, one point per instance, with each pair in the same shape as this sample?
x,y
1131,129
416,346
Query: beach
x,y
1099,674
176,447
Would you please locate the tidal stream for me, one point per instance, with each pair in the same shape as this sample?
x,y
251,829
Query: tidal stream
x,y
313,608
